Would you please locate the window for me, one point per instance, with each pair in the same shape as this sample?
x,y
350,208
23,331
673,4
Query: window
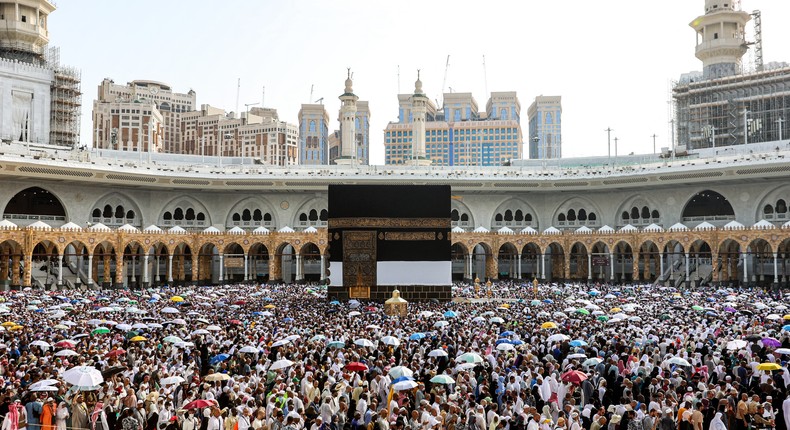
x,y
24,18
548,118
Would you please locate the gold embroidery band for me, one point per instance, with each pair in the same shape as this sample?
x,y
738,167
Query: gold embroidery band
x,y
409,235
389,223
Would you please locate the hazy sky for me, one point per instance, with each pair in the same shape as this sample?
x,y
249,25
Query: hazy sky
x,y
611,61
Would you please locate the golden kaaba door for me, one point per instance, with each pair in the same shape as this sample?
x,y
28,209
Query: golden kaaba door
x,y
359,261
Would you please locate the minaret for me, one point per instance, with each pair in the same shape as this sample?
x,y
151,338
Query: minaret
x,y
419,109
348,114
24,32
720,38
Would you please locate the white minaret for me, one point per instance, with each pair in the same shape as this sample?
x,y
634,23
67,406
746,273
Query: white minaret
x,y
348,114
419,109
720,38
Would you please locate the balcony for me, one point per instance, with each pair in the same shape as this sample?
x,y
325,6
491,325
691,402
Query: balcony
x,y
31,33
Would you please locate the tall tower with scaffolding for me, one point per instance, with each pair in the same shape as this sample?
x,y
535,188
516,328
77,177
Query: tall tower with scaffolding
x,y
44,97
725,105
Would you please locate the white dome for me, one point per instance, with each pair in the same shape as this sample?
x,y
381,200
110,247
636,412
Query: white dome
x,y
529,230
152,229
481,229
211,230
39,225
286,229
551,230
8,225
653,227
237,230
606,229
457,229
705,226
583,230
310,229
505,230
733,225
763,225
261,230
128,228
628,228
678,227
176,230
99,227
70,226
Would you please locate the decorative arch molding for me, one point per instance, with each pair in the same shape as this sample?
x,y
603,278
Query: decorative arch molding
x,y
22,218
644,205
186,212
773,206
312,213
106,209
251,213
461,215
576,212
515,214
706,205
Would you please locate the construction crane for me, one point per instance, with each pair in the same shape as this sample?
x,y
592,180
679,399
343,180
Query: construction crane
x,y
758,40
444,81
320,101
311,92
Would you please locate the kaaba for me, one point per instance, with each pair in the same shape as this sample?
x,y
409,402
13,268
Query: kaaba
x,y
387,237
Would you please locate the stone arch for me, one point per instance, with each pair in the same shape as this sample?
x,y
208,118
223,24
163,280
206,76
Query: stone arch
x,y
115,200
578,260
649,261
567,215
208,270
530,260
105,270
624,213
184,211
12,255
601,261
555,262
759,261
258,255
31,204
310,256
507,263
233,262
461,215
267,216
623,253
312,213
458,253
44,259
700,262
514,213
773,205
707,205
283,263
728,261
483,261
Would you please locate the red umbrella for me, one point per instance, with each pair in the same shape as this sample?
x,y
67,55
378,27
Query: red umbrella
x,y
236,322
66,344
371,309
198,404
574,377
115,353
357,367
240,302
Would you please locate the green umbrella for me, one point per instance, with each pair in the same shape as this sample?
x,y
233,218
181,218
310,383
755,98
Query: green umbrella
x,y
535,303
698,308
336,344
442,379
101,330
664,317
582,311
603,318
132,302
131,334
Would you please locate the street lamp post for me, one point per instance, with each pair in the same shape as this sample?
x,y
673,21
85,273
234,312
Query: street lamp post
x,y
745,128
536,139
609,141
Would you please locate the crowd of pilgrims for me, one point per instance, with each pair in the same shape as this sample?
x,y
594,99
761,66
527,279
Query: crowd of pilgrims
x,y
275,357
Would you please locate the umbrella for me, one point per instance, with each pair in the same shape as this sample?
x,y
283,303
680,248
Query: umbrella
x,y
169,310
214,377
123,327
43,383
578,342
390,340
437,353
450,314
138,339
201,331
736,344
470,357
771,342
496,320
582,311
65,353
364,343
400,372
356,366
504,346
100,330
577,355
591,362
768,366
115,353
602,318
698,308
172,339
354,313
507,333
249,350
548,324
281,364
83,376
336,344
404,385
213,328
172,380
106,373
218,358
417,336
678,361
41,343
574,377
199,404
442,379
50,388
773,317
782,351
559,337
440,324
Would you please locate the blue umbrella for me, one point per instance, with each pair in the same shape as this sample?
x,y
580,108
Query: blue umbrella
x,y
268,299
450,314
786,328
217,358
578,342
334,302
516,342
402,378
257,314
548,301
289,319
507,333
502,340
416,336
593,293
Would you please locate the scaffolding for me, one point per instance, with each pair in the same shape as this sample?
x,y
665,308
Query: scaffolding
x,y
745,108
66,102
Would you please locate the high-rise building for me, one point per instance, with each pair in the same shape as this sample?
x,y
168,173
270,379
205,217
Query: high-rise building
x,y
724,105
144,116
41,98
362,129
545,128
313,134
457,135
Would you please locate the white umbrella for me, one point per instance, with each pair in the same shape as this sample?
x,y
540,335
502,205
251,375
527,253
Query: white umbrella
x,y
390,340
400,371
504,346
440,324
470,357
577,355
65,353
201,331
43,383
364,342
281,364
169,310
736,344
559,337
281,342
50,388
214,328
679,361
172,380
354,313
404,385
426,314
773,317
124,327
437,353
140,326
249,350
782,351
496,320
41,344
84,376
